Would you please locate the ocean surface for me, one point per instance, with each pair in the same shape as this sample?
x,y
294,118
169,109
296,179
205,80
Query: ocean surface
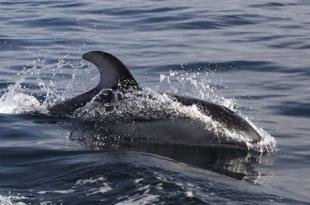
x,y
251,56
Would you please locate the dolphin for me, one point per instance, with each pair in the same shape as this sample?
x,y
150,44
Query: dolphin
x,y
115,76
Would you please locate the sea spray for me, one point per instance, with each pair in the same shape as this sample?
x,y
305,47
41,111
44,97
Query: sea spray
x,y
40,85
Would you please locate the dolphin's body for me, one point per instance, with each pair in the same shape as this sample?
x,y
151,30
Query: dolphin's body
x,y
114,75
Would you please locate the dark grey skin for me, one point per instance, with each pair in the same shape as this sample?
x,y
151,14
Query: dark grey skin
x,y
114,75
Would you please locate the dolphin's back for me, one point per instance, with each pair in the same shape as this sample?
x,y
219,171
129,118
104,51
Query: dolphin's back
x,y
225,116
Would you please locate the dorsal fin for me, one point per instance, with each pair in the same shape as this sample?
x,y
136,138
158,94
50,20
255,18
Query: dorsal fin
x,y
113,73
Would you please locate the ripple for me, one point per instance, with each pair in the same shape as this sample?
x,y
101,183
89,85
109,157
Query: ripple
x,y
270,5
51,22
229,66
297,109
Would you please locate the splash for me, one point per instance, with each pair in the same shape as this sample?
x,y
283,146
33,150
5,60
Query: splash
x,y
19,103
200,85
154,105
16,101
11,200
197,84
150,105
45,84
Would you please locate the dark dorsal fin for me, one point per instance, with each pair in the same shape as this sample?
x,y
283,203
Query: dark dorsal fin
x,y
113,73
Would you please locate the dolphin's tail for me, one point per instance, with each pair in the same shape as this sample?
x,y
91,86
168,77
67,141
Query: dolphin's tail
x,y
113,75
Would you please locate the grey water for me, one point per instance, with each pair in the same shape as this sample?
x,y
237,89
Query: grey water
x,y
251,55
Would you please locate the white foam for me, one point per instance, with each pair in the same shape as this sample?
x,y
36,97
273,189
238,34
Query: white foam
x,y
189,194
90,180
67,191
140,200
15,103
137,181
10,200
102,190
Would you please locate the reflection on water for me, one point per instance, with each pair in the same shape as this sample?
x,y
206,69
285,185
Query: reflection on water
x,y
231,161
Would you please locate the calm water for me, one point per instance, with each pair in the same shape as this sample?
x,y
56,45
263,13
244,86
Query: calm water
x,y
253,57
